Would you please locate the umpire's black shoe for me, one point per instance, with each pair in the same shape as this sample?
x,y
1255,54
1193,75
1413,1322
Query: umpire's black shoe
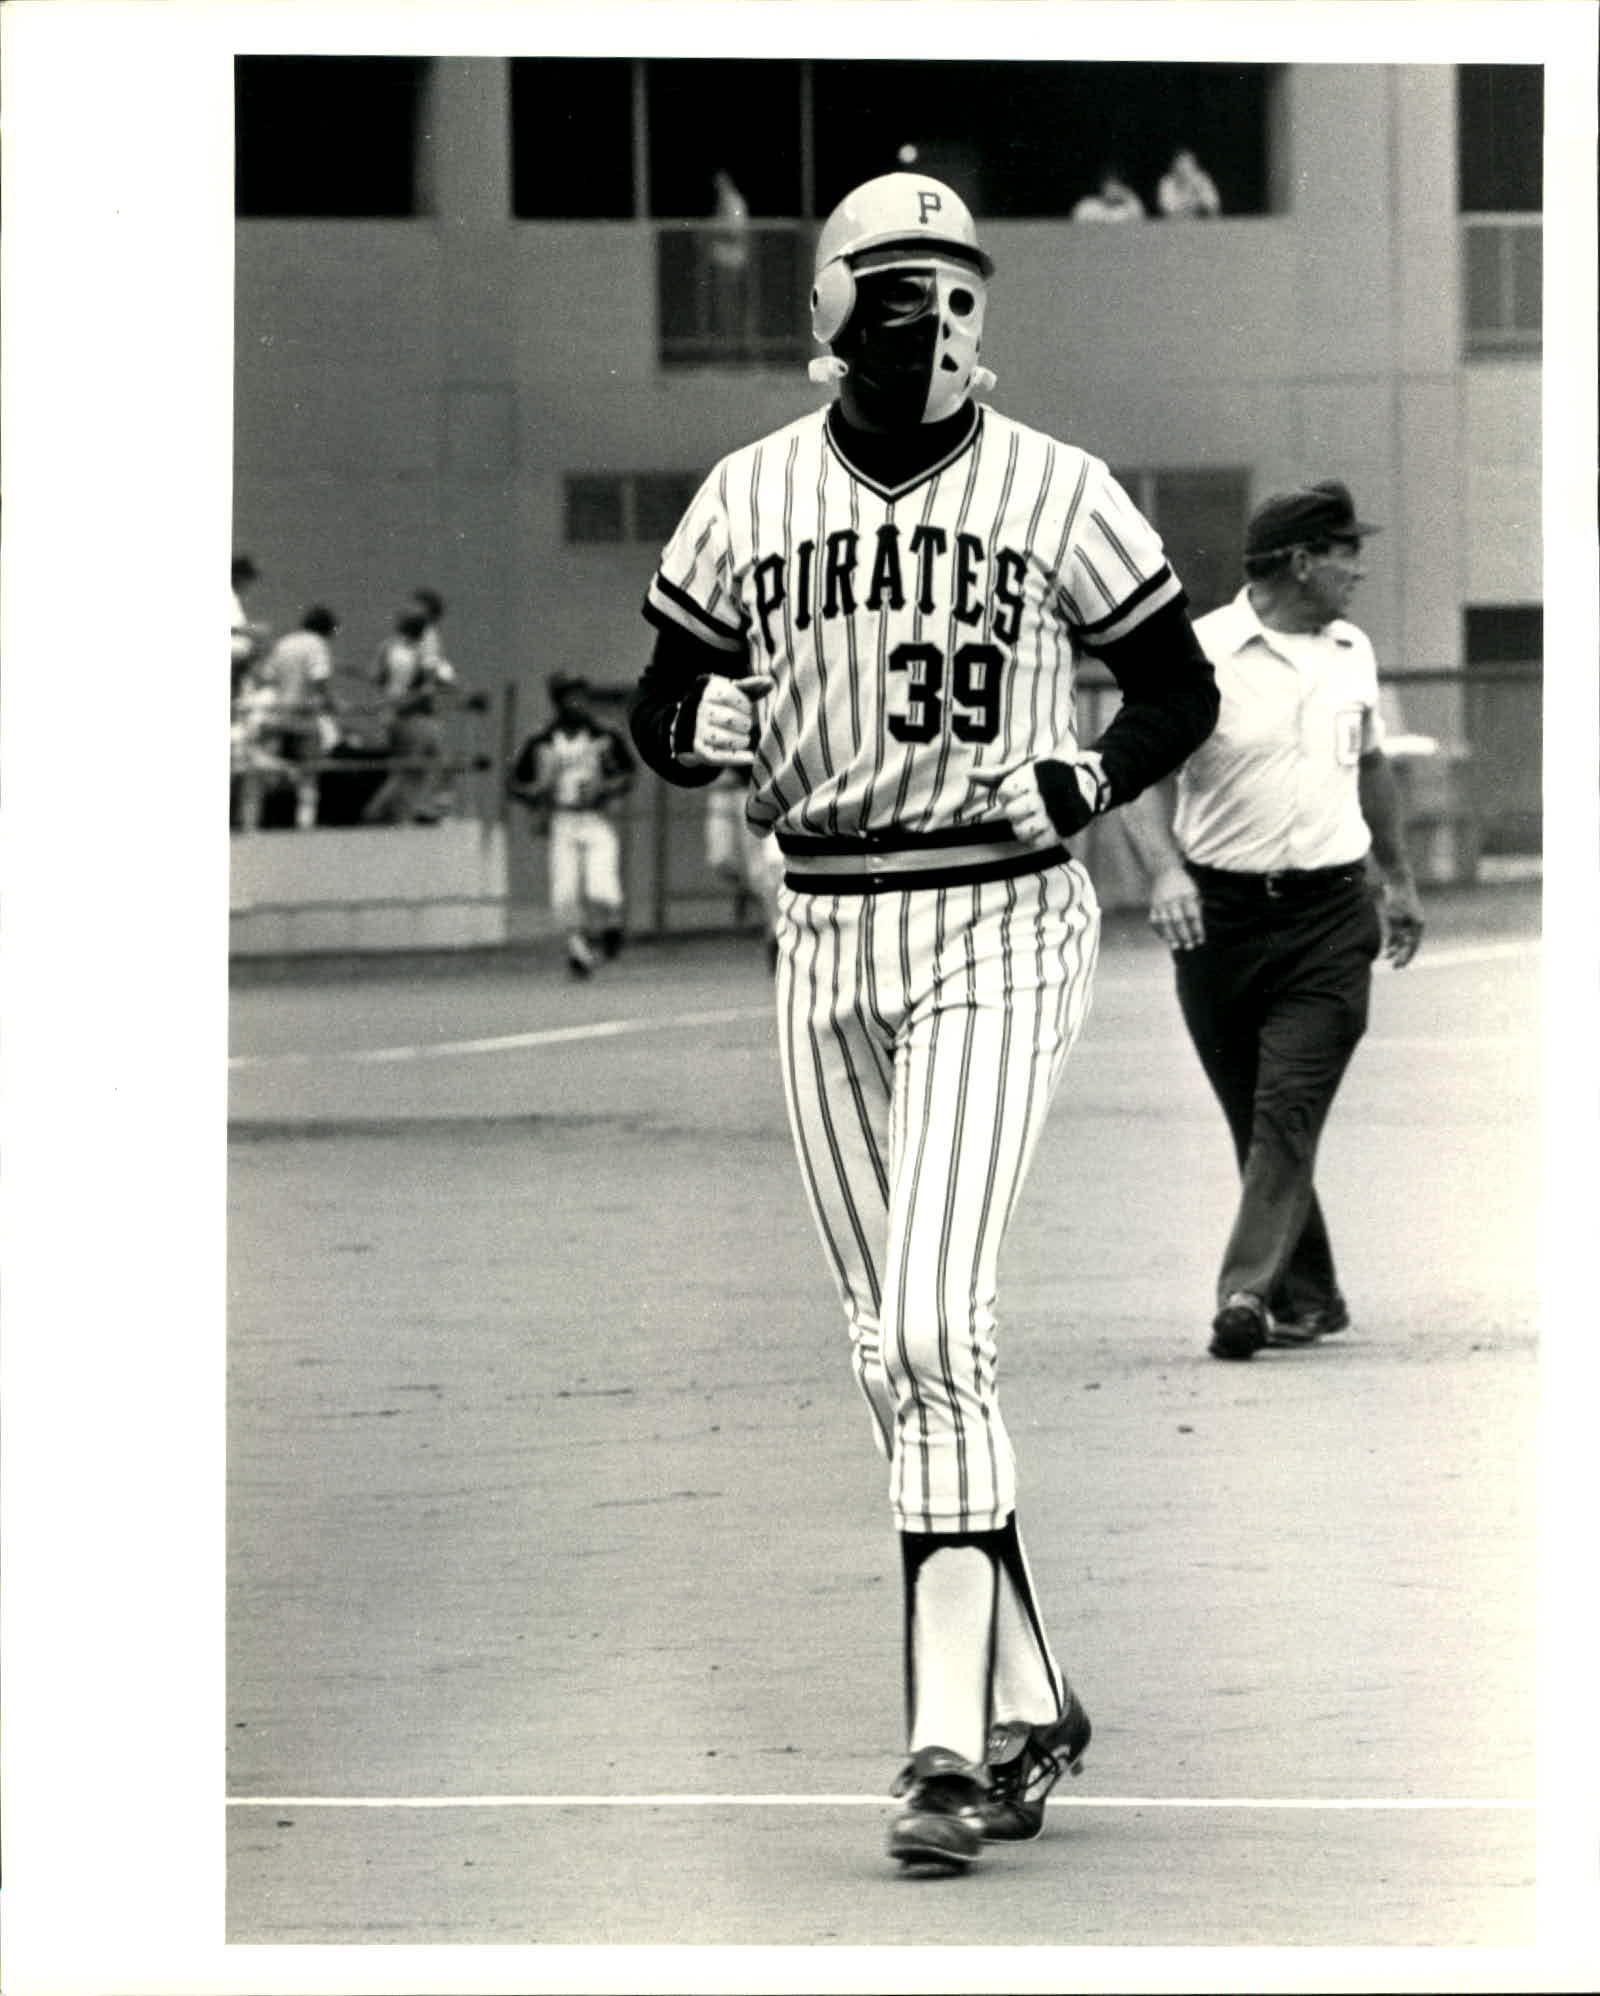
x,y
941,1822
1308,1325
1025,1763
1240,1327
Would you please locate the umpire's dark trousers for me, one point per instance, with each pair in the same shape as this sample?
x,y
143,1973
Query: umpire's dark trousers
x,y
1275,1000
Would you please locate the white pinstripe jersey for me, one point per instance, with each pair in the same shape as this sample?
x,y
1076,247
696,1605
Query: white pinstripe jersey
x,y
914,633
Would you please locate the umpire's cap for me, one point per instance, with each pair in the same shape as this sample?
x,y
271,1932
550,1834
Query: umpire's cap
x,y
1321,512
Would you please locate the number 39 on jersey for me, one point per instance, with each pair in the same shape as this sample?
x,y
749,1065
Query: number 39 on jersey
x,y
912,633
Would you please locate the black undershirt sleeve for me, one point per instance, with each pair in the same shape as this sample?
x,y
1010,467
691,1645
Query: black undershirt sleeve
x,y
1169,702
662,711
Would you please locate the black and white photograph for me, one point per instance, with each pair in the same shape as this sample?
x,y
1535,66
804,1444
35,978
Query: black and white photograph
x,y
808,1210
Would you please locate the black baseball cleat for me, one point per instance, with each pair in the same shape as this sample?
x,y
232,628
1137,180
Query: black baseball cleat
x,y
1240,1327
941,1823
1025,1763
1309,1325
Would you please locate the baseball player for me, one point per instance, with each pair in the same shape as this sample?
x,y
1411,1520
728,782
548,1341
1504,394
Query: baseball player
x,y
875,613
747,859
568,774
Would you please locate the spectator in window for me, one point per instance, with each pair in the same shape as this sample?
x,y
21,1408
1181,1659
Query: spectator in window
x,y
1113,201
248,638
411,676
297,674
728,252
1186,189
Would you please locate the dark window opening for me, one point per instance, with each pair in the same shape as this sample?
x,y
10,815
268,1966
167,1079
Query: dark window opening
x,y
1503,716
627,506
1028,139
661,498
327,136
1504,634
738,118
1500,124
571,138
594,509
1200,516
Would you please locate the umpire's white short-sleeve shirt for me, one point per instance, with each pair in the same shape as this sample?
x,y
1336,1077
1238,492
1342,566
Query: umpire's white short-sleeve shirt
x,y
1275,785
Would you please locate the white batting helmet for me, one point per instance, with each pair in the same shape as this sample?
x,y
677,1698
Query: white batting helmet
x,y
897,217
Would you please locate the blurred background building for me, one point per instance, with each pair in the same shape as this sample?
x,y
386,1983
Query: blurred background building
x,y
494,324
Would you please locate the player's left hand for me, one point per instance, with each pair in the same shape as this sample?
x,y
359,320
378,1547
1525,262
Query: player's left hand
x,y
1017,793
1048,800
1402,922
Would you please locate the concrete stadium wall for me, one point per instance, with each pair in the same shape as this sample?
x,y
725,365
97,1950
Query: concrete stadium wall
x,y
410,395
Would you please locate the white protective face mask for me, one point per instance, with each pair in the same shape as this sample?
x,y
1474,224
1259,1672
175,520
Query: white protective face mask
x,y
963,297
957,295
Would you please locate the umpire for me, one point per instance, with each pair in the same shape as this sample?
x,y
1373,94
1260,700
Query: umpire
x,y
1262,883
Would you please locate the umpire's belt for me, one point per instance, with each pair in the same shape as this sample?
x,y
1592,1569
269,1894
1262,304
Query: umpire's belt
x,y
1293,882
878,862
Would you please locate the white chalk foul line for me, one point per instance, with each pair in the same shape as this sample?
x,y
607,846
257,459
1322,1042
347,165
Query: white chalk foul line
x,y
596,1029
1447,957
609,1029
1058,1801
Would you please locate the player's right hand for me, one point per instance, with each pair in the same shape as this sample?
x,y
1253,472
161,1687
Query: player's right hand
x,y
1175,909
725,721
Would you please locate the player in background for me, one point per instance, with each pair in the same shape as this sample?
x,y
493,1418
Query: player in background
x,y
569,774
747,859
876,612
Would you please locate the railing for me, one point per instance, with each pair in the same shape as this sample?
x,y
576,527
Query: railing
x,y
733,297
1472,778
272,792
1502,259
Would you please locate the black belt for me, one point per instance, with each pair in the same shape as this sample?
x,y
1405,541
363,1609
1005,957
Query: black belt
x,y
876,862
1292,881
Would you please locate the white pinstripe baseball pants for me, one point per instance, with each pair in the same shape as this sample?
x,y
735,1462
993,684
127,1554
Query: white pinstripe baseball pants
x,y
923,1033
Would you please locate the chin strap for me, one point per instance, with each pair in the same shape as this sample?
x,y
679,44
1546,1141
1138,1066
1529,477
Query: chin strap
x,y
982,380
828,368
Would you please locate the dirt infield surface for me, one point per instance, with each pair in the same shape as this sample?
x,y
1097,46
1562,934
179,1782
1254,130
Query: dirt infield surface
x,y
563,1604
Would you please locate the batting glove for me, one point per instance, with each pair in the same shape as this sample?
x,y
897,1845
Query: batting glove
x,y
1050,800
724,725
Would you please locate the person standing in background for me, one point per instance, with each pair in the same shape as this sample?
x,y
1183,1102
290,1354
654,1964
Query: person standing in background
x,y
728,252
410,685
248,637
1260,885
748,860
445,681
1186,190
569,774
1112,201
298,675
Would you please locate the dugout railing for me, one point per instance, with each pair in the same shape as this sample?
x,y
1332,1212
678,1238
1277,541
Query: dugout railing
x,y
1467,750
